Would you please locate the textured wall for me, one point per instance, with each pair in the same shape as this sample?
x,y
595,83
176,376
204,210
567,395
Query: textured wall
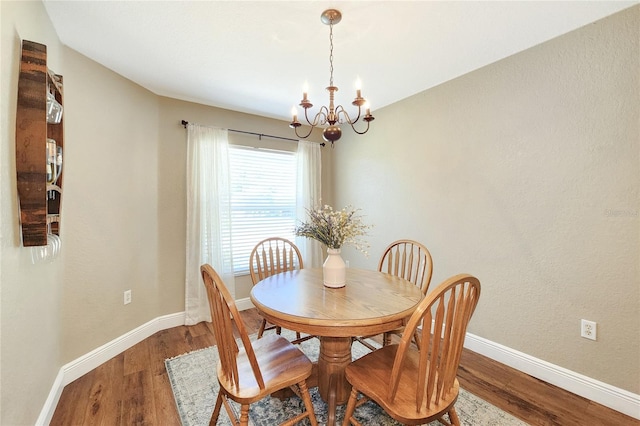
x,y
524,173
172,198
30,301
55,312
110,217
123,217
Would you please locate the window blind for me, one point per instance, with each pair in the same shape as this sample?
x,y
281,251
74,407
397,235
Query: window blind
x,y
263,199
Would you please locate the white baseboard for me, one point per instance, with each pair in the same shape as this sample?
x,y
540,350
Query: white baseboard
x,y
80,366
602,393
98,356
244,304
594,390
46,414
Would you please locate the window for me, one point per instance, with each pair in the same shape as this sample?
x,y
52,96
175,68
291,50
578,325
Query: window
x,y
263,199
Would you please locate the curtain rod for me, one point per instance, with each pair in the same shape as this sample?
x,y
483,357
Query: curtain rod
x,y
260,135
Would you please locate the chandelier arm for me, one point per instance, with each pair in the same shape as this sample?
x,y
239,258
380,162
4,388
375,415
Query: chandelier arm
x,y
320,117
340,110
332,116
305,136
356,130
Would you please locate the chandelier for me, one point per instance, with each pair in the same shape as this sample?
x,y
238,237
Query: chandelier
x,y
332,116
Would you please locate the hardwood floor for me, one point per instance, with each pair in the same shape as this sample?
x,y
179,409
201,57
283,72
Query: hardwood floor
x,y
133,387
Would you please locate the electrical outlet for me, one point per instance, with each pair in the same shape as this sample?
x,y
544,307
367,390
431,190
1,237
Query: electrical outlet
x,y
588,329
127,297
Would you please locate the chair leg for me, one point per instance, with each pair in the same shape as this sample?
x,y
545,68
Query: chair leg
x,y
262,327
453,417
306,398
244,415
386,339
351,406
216,410
416,338
363,342
302,339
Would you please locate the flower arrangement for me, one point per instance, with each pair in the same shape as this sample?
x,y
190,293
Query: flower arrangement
x,y
335,228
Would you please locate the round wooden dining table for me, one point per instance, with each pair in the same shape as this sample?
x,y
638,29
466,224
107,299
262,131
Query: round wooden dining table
x,y
370,303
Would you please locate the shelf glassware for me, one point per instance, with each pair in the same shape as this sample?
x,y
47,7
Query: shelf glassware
x,y
54,109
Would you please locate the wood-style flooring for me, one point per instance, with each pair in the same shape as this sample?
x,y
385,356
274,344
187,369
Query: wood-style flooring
x,y
133,388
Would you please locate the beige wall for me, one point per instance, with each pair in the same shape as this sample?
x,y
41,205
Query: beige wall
x,y
172,164
524,173
516,173
30,298
56,312
123,216
110,214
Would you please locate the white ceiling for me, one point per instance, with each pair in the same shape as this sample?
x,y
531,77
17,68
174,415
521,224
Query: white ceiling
x,y
255,56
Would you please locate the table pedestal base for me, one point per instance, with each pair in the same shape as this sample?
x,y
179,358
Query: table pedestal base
x,y
335,355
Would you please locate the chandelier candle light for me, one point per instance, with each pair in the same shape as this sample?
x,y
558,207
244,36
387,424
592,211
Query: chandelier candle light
x,y
334,228
332,116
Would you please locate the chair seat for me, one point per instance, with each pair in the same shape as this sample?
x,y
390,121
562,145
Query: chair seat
x,y
247,372
373,372
281,363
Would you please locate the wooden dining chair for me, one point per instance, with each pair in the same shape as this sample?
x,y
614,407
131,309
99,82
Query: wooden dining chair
x,y
417,386
412,261
252,371
272,256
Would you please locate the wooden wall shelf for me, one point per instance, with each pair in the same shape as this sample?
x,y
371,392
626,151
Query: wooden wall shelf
x,y
40,201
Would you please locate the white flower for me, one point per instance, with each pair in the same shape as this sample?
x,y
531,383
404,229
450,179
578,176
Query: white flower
x,y
334,228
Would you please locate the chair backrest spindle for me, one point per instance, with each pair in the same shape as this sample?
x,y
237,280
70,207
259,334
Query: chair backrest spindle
x,y
449,309
410,260
226,318
272,256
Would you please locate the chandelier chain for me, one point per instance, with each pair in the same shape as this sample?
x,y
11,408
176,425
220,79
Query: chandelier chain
x,y
331,53
330,115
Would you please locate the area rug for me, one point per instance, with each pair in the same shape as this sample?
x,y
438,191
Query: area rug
x,y
195,388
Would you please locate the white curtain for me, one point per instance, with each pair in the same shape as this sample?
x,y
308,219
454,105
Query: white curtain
x,y
208,216
308,188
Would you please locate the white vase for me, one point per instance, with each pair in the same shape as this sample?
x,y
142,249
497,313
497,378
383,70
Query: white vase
x,y
334,270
